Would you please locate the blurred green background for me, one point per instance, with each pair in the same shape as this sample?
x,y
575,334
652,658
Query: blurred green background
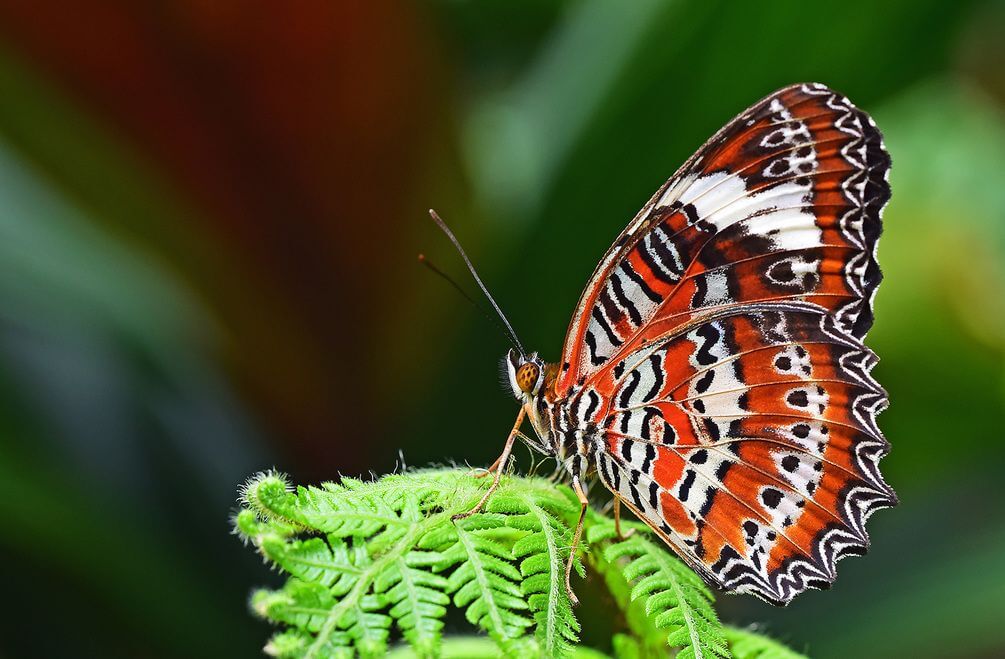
x,y
209,216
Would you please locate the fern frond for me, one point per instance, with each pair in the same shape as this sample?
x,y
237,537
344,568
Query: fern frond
x,y
367,626
543,553
748,644
367,558
675,597
267,495
293,643
485,582
418,600
301,604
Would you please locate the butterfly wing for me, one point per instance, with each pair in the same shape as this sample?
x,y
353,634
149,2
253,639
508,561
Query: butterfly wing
x,y
748,440
783,203
722,336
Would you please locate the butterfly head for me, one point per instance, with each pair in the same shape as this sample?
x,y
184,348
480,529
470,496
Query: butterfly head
x,y
526,374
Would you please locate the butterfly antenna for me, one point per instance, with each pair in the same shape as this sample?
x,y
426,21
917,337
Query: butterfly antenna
x,y
450,280
478,280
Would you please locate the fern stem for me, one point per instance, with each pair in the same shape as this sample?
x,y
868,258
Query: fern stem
x,y
412,593
689,620
556,589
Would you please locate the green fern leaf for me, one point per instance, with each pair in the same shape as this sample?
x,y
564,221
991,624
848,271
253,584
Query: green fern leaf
x,y
326,563
367,627
675,598
293,644
748,644
301,604
543,553
484,581
418,600
365,558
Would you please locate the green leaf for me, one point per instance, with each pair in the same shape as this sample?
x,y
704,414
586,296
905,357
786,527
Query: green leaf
x,y
675,597
371,561
542,565
748,644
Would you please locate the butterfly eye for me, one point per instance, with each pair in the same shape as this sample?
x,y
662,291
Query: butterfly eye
x,y
526,377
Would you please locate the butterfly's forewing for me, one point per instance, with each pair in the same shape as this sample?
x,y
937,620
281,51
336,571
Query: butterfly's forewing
x,y
722,336
782,203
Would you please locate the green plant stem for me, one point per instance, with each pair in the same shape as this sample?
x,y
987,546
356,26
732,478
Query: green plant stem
x,y
555,585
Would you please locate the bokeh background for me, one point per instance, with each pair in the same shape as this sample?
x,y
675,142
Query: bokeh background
x,y
209,217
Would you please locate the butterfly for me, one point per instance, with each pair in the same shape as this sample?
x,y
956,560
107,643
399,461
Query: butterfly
x,y
714,376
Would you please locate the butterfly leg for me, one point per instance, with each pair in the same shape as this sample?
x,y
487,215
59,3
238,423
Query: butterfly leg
x,y
617,521
482,473
583,504
499,466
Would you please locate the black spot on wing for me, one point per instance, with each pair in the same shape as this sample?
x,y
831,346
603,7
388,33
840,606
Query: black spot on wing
x,y
605,469
700,297
722,470
797,398
637,279
654,491
710,494
656,364
705,381
649,414
591,343
624,301
625,418
650,456
771,497
711,429
685,486
636,498
709,335
626,394
604,325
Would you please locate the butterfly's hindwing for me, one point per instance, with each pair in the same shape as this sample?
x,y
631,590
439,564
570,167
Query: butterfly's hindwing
x,y
762,456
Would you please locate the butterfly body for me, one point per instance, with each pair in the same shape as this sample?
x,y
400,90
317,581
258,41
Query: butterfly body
x,y
713,375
